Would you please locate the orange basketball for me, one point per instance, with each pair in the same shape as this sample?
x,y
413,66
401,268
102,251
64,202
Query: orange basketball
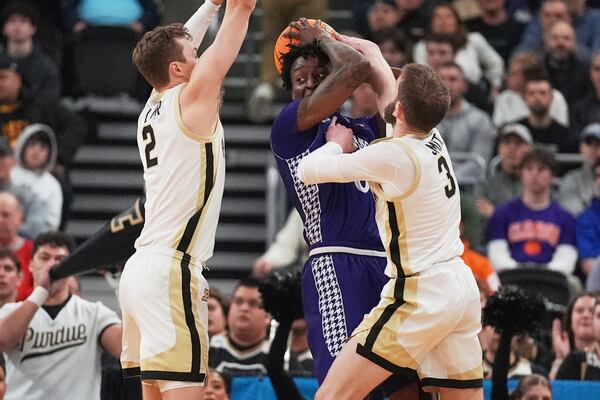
x,y
283,44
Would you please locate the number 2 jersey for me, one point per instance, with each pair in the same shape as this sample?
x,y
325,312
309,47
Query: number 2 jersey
x,y
184,179
333,214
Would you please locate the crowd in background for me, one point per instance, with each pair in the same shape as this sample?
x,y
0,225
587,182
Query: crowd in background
x,y
523,124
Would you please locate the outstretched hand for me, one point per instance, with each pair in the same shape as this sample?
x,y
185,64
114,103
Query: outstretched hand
x,y
340,135
306,33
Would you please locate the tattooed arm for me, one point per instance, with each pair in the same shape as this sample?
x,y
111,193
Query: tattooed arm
x,y
349,69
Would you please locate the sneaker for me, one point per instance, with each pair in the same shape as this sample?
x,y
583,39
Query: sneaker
x,y
259,105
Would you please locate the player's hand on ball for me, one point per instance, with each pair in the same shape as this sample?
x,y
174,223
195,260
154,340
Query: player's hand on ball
x,y
341,135
306,33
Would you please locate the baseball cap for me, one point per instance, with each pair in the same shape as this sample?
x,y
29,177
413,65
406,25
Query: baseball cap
x,y
591,131
8,63
5,149
516,129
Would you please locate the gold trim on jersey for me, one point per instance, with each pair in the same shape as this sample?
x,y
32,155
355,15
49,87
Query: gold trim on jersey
x,y
397,224
179,358
417,179
203,198
378,332
475,373
187,131
199,198
208,200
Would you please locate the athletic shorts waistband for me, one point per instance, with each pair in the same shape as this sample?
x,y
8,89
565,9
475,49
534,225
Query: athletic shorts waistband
x,y
347,250
170,252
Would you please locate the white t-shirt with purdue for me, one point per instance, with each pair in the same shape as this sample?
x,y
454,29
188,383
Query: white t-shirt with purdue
x,y
59,358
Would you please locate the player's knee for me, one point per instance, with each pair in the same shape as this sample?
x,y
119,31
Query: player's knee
x,y
327,392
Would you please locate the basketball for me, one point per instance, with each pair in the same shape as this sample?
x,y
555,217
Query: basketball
x,y
283,44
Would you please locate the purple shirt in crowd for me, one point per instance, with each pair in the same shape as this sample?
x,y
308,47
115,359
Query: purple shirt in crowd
x,y
532,235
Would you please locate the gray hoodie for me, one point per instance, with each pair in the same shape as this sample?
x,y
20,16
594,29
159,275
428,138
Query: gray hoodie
x,y
41,182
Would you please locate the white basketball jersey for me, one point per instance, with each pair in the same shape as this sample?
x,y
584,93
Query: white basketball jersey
x,y
421,227
59,358
184,177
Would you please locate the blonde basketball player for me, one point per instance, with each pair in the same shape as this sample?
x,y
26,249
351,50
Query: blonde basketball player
x,y
429,313
180,138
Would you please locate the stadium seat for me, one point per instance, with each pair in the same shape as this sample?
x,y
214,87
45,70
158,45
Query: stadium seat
x,y
103,61
551,285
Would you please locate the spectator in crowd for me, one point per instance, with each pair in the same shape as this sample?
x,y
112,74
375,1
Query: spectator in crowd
x,y
277,14
394,46
36,154
584,365
300,362
586,23
544,129
18,109
289,247
217,313
502,31
504,180
40,72
35,219
414,18
243,350
532,387
52,334
475,55
381,15
533,229
588,235
577,186
568,74
441,50
217,386
10,276
49,29
575,333
363,102
587,110
510,106
465,128
139,15
10,222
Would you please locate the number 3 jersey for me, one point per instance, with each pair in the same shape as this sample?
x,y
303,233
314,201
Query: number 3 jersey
x,y
420,227
417,196
334,214
184,178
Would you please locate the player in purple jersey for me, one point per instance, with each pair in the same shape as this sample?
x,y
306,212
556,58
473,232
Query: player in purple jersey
x,y
344,274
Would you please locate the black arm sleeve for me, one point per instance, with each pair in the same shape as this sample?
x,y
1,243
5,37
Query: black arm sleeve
x,y
282,383
111,244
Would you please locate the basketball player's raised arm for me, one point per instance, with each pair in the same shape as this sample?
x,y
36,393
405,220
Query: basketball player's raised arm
x,y
349,70
199,22
382,78
200,98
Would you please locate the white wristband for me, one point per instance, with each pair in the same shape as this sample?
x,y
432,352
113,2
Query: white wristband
x,y
38,296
